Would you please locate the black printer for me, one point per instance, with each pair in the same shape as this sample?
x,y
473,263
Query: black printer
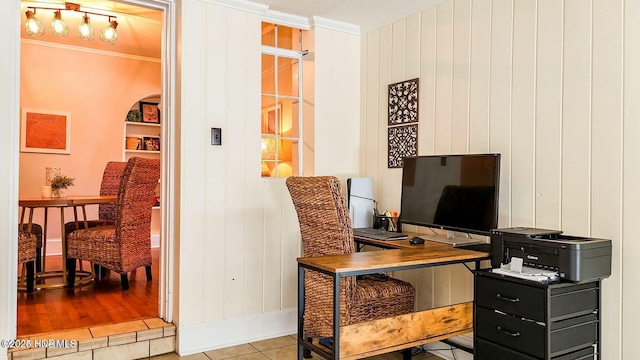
x,y
574,258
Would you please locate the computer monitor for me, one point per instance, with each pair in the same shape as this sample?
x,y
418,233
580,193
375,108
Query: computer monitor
x,y
451,192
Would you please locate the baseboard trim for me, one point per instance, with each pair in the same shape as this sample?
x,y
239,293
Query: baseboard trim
x,y
193,339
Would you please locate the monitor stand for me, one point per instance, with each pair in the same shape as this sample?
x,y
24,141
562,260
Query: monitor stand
x,y
452,238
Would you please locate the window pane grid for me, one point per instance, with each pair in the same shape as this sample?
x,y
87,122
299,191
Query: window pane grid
x,y
281,99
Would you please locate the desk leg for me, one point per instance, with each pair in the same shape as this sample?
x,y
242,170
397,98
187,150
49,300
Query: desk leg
x,y
336,316
301,347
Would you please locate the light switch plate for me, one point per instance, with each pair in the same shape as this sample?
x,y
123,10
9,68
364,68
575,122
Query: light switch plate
x,y
216,136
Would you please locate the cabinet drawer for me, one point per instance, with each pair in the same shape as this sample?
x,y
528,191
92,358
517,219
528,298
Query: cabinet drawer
x,y
526,337
572,334
530,338
486,350
510,297
574,301
521,299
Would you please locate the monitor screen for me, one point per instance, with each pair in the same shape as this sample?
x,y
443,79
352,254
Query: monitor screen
x,y
451,192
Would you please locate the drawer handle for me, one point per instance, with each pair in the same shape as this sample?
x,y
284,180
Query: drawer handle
x,y
511,300
514,334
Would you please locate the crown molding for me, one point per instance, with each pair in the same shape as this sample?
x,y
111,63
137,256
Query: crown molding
x,y
330,24
280,18
244,5
91,51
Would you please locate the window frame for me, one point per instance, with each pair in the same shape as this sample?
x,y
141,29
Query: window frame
x,y
294,55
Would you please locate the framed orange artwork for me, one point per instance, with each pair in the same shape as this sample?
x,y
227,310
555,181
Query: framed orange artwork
x,y
45,132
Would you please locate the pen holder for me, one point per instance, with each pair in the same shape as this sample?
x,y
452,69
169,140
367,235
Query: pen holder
x,y
389,223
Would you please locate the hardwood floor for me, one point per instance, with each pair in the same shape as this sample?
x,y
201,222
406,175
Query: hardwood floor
x,y
100,303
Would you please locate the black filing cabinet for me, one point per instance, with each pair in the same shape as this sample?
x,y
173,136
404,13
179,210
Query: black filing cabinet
x,y
516,319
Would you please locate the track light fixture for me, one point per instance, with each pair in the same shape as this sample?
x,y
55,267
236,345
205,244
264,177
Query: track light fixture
x,y
59,27
109,34
33,26
85,30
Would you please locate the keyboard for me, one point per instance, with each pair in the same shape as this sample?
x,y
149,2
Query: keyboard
x,y
378,234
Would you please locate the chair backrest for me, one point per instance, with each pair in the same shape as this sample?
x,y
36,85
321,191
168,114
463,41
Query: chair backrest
x,y
323,215
133,210
26,247
110,186
325,228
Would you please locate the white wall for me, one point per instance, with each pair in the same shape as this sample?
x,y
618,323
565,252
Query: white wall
x,y
550,85
239,236
337,103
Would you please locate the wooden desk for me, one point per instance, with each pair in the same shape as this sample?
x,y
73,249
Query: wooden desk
x,y
74,201
394,333
428,245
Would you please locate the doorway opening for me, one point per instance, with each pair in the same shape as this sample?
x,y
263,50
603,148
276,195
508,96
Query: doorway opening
x,y
105,302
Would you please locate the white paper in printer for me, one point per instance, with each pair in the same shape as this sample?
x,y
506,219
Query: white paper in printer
x,y
516,269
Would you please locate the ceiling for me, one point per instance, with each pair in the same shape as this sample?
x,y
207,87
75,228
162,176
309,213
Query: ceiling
x,y
140,28
366,14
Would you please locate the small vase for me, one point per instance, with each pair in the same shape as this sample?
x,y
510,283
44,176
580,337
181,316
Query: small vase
x,y
50,174
59,193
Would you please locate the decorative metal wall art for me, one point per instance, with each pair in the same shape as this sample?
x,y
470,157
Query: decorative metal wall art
x,y
402,140
403,102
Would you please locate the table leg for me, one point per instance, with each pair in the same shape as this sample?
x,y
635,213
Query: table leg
x,y
64,248
30,226
44,240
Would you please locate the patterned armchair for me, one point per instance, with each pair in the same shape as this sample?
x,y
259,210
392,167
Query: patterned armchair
x,y
125,245
36,230
27,244
109,186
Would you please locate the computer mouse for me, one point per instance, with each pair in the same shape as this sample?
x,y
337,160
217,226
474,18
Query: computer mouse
x,y
416,240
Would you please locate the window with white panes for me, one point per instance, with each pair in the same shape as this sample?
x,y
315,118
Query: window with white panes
x,y
281,109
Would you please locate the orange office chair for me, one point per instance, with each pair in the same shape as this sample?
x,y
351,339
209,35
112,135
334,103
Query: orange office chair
x,y
325,227
125,245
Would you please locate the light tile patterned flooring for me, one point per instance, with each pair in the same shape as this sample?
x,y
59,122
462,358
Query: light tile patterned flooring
x,y
281,348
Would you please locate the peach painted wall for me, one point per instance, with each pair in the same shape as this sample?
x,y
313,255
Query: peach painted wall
x,y
97,89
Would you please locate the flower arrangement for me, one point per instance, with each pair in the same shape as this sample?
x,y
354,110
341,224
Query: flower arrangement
x,y
61,182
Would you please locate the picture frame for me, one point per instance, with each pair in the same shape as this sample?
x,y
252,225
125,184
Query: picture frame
x,y
151,143
269,123
47,132
150,112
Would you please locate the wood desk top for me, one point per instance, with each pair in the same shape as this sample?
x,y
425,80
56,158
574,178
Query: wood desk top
x,y
404,243
71,200
396,259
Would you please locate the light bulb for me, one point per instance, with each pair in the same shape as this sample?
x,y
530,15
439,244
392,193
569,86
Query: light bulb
x,y
85,30
33,26
110,33
58,26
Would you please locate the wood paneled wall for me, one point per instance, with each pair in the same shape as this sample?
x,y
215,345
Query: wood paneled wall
x,y
553,87
239,235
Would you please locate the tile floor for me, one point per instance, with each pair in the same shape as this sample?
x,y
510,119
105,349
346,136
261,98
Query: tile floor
x,y
129,340
281,348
